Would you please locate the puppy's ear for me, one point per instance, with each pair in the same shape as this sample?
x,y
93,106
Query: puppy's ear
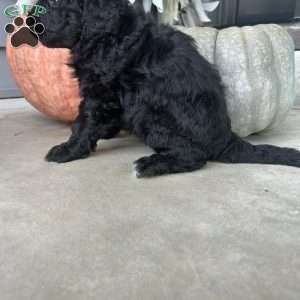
x,y
62,22
100,16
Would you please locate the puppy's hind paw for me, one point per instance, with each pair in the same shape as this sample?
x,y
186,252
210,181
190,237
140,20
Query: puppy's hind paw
x,y
146,167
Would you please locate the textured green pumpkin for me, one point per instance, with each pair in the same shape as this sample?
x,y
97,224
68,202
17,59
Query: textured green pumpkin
x,y
257,66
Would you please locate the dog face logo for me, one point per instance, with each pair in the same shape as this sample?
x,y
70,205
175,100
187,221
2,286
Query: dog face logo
x,y
24,31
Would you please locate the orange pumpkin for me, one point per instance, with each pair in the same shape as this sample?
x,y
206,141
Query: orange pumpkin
x,y
45,79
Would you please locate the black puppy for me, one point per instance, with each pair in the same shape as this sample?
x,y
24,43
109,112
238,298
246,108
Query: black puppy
x,y
150,79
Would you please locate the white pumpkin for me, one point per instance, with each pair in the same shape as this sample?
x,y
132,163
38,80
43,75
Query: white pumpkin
x,y
257,66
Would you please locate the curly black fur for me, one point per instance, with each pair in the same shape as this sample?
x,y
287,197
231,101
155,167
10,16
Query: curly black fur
x,y
150,79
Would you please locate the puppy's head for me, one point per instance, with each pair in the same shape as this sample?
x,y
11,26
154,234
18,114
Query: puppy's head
x,y
62,21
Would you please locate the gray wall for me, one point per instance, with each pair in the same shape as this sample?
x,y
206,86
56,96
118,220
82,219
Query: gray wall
x,y
225,15
8,87
297,13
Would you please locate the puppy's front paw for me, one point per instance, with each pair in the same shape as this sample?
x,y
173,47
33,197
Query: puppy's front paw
x,y
60,154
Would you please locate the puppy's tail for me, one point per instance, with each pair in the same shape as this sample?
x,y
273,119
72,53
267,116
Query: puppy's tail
x,y
240,151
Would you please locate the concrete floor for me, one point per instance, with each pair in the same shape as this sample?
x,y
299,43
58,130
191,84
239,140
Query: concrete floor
x,y
90,230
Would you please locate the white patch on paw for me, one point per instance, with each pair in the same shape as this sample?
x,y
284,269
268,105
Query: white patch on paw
x,y
135,171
